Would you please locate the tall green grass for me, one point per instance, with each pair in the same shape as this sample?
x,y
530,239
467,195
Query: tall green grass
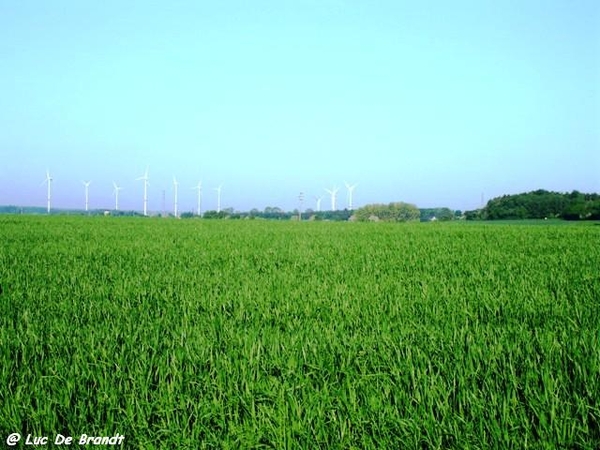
x,y
249,334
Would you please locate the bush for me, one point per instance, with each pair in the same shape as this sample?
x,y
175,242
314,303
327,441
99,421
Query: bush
x,y
392,212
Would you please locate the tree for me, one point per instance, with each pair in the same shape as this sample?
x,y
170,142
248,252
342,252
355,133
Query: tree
x,y
443,214
542,204
392,212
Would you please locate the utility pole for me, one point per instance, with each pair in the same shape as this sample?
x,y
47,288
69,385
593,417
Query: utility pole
x,y
301,199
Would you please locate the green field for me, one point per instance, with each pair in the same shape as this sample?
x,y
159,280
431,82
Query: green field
x,y
252,334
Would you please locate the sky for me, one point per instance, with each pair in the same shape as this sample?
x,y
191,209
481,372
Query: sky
x,y
434,103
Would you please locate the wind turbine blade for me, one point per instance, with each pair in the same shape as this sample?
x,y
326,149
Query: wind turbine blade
x,y
47,179
143,177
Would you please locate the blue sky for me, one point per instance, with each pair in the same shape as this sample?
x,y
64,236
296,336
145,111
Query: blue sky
x,y
432,103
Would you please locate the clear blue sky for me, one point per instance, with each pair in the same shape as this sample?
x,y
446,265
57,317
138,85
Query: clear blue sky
x,y
432,103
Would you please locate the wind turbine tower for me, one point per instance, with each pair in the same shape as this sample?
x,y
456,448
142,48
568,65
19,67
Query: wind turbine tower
x,y
116,192
199,189
318,199
333,192
87,194
350,191
144,178
175,186
218,189
48,181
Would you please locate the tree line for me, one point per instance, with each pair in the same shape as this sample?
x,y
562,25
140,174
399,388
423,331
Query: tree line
x,y
540,204
391,212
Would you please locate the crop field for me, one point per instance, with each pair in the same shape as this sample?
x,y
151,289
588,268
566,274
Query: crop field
x,y
196,334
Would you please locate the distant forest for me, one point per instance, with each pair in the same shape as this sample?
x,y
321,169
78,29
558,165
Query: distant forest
x,y
540,204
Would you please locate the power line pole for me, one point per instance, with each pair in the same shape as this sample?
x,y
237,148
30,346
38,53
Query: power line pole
x,y
301,199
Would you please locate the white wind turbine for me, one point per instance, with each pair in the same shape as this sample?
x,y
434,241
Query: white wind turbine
x,y
48,181
218,189
333,192
175,187
144,178
199,189
318,199
87,194
116,190
350,188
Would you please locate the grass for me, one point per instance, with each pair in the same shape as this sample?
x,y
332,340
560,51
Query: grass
x,y
251,334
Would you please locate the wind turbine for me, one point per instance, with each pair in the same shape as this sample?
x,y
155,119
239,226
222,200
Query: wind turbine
x,y
333,192
144,178
48,181
87,193
116,192
218,189
199,189
175,186
350,190
318,199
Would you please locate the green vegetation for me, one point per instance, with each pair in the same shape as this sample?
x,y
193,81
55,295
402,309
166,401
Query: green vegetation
x,y
443,214
277,214
253,334
392,212
12,209
541,204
